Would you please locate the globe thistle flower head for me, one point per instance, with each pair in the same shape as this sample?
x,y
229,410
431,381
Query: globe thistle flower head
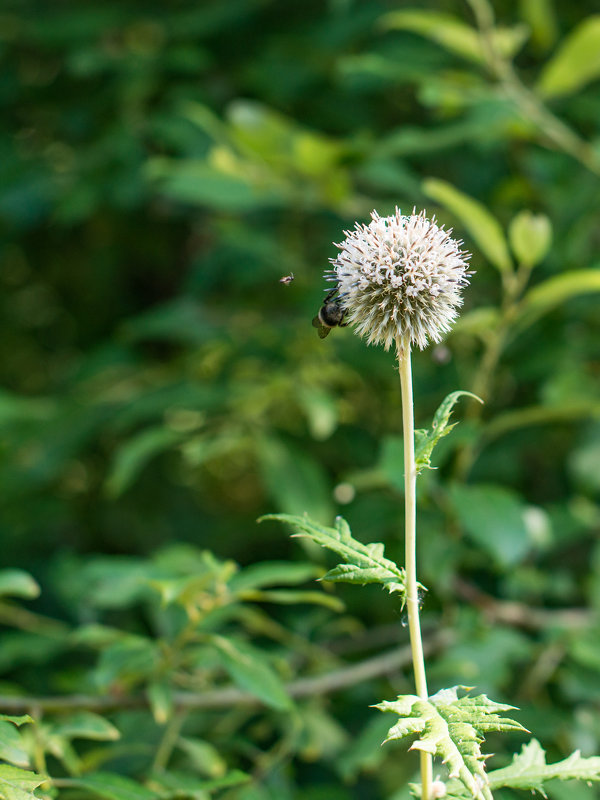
x,y
400,277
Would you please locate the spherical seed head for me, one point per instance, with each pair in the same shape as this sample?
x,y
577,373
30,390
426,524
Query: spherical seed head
x,y
400,276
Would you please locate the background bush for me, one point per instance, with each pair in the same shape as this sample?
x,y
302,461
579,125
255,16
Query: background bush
x,y
162,167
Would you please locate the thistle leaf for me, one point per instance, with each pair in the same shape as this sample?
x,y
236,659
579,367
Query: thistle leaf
x,y
364,563
529,770
426,440
453,729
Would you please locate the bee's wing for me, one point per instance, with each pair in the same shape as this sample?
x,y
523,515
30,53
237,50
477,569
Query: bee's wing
x,y
316,323
324,332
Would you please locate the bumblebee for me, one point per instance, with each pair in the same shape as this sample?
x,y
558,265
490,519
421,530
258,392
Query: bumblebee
x,y
331,315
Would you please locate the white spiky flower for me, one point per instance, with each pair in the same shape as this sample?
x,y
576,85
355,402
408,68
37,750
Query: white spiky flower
x,y
400,277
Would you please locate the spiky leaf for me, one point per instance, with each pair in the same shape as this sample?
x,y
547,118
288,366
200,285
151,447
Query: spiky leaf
x,y
426,440
453,729
529,770
364,563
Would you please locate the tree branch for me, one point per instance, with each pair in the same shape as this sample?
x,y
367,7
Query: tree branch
x,y
335,681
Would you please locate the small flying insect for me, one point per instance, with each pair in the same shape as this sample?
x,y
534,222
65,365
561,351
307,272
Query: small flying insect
x,y
287,279
331,315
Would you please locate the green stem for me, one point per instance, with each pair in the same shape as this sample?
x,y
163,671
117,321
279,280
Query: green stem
x,y
410,545
529,104
168,741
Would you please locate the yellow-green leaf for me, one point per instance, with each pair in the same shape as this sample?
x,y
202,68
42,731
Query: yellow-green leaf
x,y
475,218
530,237
557,290
11,748
18,583
248,668
18,784
576,62
453,34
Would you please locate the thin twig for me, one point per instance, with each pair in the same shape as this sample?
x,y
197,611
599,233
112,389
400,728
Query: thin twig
x,y
335,681
521,615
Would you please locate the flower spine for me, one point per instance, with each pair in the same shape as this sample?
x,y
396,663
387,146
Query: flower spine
x,y
400,277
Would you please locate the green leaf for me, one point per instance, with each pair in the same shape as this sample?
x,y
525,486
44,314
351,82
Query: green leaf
x,y
452,729
10,745
529,770
133,456
248,669
86,725
114,787
296,481
18,784
293,597
426,440
540,415
576,63
475,218
494,517
174,784
204,756
555,291
321,411
20,720
365,563
364,752
271,573
160,695
127,662
453,34
530,237
478,322
17,583
200,183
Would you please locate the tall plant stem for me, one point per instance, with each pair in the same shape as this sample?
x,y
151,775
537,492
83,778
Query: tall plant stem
x,y
410,544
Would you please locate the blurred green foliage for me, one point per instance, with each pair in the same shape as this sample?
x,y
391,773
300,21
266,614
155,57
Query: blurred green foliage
x,y
162,166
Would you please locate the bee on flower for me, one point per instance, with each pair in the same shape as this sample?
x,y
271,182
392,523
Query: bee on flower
x,y
399,278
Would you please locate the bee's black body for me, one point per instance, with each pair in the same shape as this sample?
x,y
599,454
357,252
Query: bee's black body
x,y
331,315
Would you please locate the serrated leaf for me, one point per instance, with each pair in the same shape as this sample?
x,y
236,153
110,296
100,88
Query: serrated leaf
x,y
426,440
249,670
18,784
453,729
365,563
576,62
475,218
453,34
529,770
